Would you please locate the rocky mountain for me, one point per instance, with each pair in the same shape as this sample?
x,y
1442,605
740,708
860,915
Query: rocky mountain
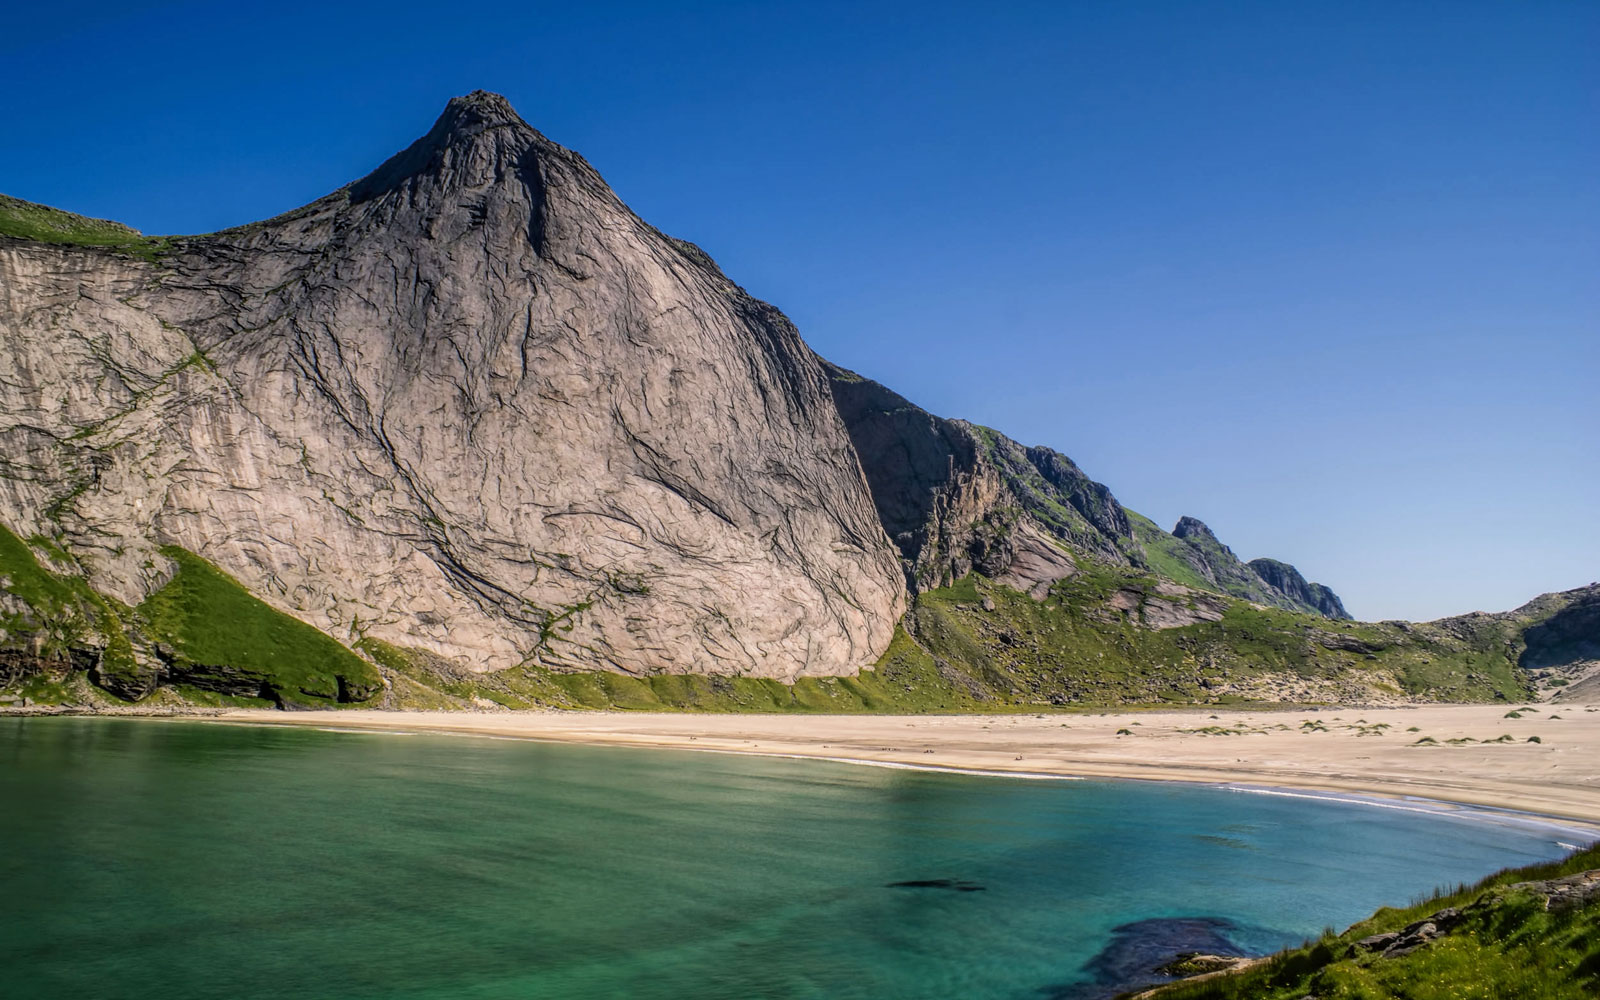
x,y
468,432
956,497
470,405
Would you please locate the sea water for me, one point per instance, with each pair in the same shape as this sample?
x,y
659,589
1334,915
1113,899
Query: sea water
x,y
159,859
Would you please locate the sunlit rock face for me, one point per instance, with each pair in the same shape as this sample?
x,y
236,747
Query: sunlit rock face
x,y
470,404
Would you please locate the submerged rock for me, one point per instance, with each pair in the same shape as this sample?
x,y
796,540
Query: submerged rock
x,y
1140,953
953,884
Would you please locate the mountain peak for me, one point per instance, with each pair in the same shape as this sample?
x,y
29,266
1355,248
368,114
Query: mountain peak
x,y
1192,527
474,112
465,123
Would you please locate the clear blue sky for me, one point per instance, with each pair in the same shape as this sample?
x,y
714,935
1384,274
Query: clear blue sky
x,y
1325,275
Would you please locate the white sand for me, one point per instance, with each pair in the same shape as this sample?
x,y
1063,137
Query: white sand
x,y
1558,777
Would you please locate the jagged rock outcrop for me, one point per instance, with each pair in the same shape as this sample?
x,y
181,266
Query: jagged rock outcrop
x,y
1216,562
1569,636
956,497
469,404
1265,581
1286,580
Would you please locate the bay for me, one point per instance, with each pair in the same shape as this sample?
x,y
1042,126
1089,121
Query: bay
x,y
150,858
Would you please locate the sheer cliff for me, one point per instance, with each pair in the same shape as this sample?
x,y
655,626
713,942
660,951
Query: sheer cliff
x,y
470,404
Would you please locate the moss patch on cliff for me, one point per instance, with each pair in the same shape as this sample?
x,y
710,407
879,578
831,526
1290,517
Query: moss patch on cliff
x,y
1505,943
228,641
30,221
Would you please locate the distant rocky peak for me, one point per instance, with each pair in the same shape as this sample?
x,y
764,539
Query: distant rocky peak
x,y
1192,527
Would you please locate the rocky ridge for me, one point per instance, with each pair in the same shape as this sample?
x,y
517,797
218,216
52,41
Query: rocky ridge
x,y
956,497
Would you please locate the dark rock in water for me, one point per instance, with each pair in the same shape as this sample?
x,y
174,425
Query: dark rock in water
x,y
953,884
1138,951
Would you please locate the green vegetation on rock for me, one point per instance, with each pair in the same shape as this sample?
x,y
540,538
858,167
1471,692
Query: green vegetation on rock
x,y
225,639
29,221
1511,935
58,619
1092,642
1107,635
1165,553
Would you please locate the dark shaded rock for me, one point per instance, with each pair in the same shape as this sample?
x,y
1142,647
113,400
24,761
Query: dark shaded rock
x,y
354,691
956,498
128,681
1570,635
1378,942
1286,580
1194,530
1338,640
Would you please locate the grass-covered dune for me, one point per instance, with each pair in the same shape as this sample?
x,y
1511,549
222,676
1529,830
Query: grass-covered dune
x,y
1523,934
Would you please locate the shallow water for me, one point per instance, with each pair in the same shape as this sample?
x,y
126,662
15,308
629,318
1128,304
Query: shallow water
x,y
144,859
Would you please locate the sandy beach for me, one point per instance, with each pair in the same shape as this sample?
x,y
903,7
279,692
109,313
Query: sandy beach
x,y
1371,751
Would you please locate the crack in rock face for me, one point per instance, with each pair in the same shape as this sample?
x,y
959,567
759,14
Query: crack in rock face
x,y
469,404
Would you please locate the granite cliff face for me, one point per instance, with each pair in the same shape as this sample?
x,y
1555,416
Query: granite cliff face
x,y
470,405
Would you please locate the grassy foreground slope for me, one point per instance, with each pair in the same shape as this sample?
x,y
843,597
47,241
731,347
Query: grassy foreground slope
x,y
1523,934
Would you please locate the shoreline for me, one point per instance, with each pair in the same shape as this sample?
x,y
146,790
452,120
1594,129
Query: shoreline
x,y
1432,806
1374,755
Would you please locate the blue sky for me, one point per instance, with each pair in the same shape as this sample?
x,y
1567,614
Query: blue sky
x,y
1321,274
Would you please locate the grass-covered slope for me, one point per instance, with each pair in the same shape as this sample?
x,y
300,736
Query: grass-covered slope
x,y
1517,935
218,636
29,221
1106,636
1110,635
53,622
905,680
202,634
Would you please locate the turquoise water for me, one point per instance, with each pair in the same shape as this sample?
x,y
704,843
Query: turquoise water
x,y
144,859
